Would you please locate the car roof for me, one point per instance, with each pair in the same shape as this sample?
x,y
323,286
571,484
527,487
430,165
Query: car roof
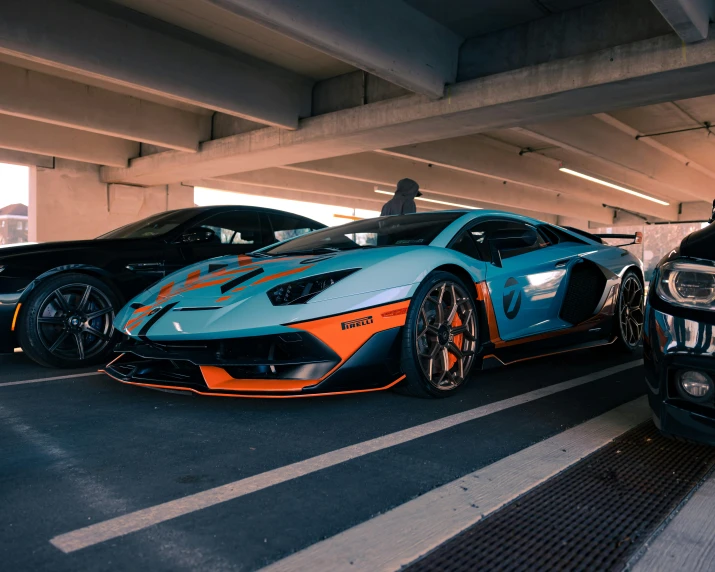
x,y
210,209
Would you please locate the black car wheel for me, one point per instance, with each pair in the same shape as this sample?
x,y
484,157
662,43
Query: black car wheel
x,y
67,322
439,338
630,312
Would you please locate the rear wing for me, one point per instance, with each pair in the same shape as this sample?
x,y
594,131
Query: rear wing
x,y
636,238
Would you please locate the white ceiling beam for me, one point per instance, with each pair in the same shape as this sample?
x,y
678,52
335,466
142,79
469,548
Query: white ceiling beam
x,y
21,134
634,74
482,155
80,39
50,99
454,186
689,18
390,39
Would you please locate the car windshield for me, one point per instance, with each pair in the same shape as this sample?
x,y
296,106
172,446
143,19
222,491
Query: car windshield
x,y
156,225
401,230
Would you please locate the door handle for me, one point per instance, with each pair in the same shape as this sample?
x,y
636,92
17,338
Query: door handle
x,y
562,263
145,266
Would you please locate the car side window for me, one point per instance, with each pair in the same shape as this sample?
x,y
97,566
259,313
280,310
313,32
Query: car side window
x,y
482,231
233,227
287,226
465,244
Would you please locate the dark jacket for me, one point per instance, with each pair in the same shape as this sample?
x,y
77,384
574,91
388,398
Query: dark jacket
x,y
404,200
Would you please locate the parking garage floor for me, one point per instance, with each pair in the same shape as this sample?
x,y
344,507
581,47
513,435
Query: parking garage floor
x,y
97,475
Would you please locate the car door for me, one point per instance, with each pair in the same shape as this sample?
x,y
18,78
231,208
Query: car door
x,y
229,232
529,283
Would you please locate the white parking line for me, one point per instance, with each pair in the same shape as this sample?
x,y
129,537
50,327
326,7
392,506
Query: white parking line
x,y
26,381
141,519
687,541
400,536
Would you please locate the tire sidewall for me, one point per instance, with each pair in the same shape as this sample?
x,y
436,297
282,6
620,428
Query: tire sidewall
x,y
29,337
416,382
617,318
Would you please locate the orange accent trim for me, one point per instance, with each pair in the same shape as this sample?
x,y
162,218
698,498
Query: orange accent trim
x,y
193,276
398,380
282,274
218,378
14,318
223,298
345,342
398,312
484,296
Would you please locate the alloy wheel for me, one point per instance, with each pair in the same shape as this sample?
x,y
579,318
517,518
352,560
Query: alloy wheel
x,y
75,322
630,311
446,335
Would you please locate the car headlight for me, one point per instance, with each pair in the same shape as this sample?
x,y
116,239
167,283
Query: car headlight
x,y
300,291
688,284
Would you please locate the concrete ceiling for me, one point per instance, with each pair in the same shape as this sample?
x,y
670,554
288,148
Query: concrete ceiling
x,y
226,93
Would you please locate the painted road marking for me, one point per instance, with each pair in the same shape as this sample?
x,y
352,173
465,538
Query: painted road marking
x,y
400,536
141,519
26,381
687,541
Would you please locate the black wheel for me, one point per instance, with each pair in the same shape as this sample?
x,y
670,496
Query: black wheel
x,y
67,322
630,312
439,338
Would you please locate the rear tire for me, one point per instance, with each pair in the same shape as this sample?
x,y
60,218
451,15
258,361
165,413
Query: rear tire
x,y
630,312
67,322
439,338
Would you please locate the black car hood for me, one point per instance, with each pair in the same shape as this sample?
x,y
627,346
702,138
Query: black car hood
x,y
700,244
13,250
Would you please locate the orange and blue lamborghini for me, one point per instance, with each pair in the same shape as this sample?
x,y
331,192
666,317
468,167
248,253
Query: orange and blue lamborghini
x,y
416,302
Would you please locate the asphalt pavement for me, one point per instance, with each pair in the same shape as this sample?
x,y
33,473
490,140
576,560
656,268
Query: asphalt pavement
x,y
98,475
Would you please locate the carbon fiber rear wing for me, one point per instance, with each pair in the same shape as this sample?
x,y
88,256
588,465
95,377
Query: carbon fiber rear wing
x,y
636,238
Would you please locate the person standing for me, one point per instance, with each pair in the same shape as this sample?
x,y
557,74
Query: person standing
x,y
404,200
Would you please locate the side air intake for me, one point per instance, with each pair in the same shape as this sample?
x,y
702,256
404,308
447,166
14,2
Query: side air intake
x,y
584,291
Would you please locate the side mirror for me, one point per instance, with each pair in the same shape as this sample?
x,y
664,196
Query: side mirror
x,y
503,240
198,235
712,216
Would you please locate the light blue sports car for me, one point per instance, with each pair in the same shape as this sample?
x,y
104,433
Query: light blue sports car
x,y
415,301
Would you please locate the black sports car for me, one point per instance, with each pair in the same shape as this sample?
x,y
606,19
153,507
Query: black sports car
x,y
679,339
58,300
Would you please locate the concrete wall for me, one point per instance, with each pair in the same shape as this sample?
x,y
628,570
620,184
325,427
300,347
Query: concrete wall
x,y
69,202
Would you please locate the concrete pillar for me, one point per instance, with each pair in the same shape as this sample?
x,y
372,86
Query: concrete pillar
x,y
69,202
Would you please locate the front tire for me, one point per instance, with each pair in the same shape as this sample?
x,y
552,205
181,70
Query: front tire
x,y
630,312
439,338
67,322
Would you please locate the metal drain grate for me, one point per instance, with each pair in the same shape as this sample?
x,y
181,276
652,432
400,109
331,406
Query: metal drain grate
x,y
593,516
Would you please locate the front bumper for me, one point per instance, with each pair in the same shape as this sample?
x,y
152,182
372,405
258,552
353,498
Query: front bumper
x,y
671,344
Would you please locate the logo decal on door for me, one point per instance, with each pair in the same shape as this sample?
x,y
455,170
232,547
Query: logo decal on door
x,y
512,298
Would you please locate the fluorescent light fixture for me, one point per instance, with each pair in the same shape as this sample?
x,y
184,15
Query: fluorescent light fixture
x,y
607,184
432,201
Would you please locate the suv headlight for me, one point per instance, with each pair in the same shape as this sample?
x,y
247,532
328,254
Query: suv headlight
x,y
300,291
688,284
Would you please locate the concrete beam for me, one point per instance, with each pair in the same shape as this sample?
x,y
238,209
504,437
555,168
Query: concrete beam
x,y
365,201
484,156
454,186
45,139
635,74
23,158
59,101
390,39
639,164
689,18
300,181
697,210
74,37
